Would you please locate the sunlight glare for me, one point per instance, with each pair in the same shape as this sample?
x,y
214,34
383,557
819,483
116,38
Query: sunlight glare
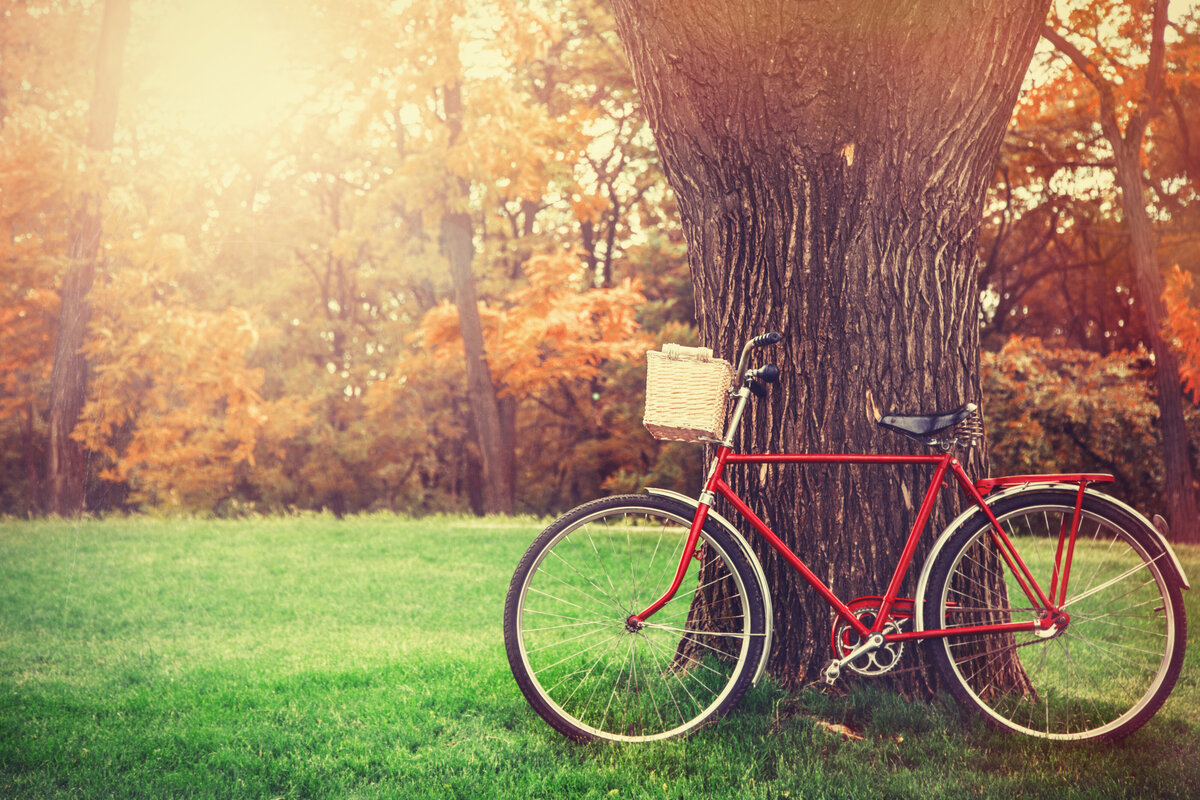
x,y
223,67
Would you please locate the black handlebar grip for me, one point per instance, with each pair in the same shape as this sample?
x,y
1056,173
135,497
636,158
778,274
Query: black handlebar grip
x,y
764,339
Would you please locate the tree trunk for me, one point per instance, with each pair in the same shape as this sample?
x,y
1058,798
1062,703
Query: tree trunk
x,y
65,469
481,392
1177,463
29,449
830,162
495,448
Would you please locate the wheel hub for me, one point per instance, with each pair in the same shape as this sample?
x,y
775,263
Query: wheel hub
x,y
1054,624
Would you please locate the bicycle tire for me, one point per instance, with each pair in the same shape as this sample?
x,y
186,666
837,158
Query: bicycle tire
x,y
591,676
1099,677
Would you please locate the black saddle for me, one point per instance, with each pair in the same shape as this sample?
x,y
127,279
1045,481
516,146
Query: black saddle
x,y
924,427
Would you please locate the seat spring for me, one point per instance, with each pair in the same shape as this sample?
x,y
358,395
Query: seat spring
x,y
969,432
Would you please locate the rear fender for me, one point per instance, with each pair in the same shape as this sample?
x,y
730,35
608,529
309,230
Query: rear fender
x,y
1174,568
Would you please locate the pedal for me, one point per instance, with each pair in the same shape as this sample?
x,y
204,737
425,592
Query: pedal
x,y
846,641
834,669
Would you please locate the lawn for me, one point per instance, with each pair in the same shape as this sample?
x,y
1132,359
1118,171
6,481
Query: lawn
x,y
309,657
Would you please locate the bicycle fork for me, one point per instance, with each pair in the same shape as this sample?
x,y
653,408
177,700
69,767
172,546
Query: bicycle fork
x,y
635,621
707,498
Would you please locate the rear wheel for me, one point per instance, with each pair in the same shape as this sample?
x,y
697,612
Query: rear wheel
x,y
593,676
1103,671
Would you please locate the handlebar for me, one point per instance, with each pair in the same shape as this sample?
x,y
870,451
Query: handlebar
x,y
768,373
762,340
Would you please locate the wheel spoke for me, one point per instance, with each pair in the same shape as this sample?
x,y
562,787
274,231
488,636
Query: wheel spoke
x,y
1108,583
1098,672
593,676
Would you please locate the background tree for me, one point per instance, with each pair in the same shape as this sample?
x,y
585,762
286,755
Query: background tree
x,y
68,380
318,230
1123,117
1057,249
272,301
830,166
41,159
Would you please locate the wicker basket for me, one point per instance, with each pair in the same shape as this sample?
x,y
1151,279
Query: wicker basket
x,y
687,391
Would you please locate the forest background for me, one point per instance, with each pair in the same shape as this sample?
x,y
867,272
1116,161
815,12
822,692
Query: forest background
x,y
315,215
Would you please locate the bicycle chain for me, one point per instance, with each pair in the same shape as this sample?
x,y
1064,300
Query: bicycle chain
x,y
821,682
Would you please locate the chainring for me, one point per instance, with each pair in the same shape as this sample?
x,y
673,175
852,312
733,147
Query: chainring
x,y
845,638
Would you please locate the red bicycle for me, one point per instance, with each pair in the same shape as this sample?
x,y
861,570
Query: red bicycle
x,y
1053,609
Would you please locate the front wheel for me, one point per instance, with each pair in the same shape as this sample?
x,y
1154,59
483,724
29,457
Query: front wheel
x,y
592,675
1103,671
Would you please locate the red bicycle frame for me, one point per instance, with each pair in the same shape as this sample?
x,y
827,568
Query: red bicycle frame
x,y
1047,603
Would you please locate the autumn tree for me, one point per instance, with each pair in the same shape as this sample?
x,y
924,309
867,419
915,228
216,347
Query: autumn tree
x,y
492,166
830,164
1123,118
1056,250
1054,262
68,381
45,172
552,343
264,274
1067,235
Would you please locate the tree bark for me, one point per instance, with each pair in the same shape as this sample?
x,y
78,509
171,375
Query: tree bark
x,y
830,162
1178,482
29,449
66,467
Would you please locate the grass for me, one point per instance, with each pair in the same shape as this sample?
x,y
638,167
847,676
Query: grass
x,y
314,658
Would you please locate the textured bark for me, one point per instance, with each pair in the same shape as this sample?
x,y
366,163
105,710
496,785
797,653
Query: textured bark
x,y
66,467
830,162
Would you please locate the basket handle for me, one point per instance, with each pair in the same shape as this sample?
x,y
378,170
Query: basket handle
x,y
679,352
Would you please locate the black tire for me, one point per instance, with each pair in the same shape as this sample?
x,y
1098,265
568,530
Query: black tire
x,y
593,677
1098,677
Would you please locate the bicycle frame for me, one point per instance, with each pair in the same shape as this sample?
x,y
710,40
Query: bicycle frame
x,y
1049,604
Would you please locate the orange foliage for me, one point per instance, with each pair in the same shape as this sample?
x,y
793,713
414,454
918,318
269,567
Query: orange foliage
x,y
1183,328
42,176
328,223
551,330
27,330
559,351
174,405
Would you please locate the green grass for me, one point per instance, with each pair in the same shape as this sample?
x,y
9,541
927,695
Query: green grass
x,y
311,658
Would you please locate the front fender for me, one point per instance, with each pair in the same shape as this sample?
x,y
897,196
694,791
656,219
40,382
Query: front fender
x,y
752,559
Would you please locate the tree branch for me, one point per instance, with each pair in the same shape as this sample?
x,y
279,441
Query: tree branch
x,y
1154,80
1108,105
